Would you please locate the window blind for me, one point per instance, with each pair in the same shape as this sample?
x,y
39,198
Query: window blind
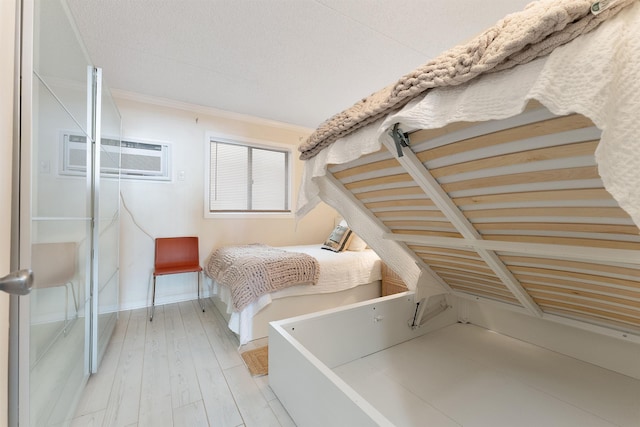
x,y
245,178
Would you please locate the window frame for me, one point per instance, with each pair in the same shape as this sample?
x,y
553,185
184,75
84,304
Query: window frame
x,y
247,142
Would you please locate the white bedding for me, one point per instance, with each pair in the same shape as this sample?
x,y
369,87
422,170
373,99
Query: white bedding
x,y
596,75
338,271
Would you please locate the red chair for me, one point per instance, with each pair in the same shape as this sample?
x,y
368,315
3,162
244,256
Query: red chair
x,y
176,255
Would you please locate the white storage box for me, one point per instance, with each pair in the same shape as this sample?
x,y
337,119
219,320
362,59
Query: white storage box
x,y
363,365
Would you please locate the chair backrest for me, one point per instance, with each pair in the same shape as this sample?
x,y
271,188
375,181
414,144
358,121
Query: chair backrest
x,y
53,264
175,252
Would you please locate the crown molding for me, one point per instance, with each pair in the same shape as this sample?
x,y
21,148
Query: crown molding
x,y
185,106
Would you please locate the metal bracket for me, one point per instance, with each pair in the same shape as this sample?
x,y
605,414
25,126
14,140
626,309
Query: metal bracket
x,y
422,316
400,138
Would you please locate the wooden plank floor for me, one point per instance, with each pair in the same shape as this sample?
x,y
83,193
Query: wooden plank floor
x,y
182,369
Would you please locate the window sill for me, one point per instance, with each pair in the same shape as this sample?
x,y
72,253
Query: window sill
x,y
249,215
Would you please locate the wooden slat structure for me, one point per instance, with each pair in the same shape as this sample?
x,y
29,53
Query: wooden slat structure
x,y
529,181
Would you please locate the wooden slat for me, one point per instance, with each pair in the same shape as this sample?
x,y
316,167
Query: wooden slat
x,y
481,284
516,269
477,274
399,203
420,213
477,280
604,268
572,283
419,223
482,291
552,175
428,233
479,268
570,241
595,212
369,167
545,127
603,311
390,193
383,180
486,294
531,287
551,153
457,259
559,226
453,252
535,196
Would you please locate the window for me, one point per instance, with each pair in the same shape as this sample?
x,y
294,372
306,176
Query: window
x,y
248,177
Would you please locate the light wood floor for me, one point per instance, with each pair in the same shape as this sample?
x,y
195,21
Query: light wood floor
x,y
182,369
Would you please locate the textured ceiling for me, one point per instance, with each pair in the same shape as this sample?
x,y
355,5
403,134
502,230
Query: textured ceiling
x,y
294,61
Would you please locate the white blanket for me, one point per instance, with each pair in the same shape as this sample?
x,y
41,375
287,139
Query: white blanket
x,y
516,39
597,75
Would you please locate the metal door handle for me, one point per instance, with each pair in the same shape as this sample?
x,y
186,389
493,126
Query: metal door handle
x,y
17,283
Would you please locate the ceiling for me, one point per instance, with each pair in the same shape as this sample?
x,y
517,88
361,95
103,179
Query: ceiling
x,y
293,61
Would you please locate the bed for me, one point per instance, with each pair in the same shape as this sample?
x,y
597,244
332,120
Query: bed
x,y
508,199
345,277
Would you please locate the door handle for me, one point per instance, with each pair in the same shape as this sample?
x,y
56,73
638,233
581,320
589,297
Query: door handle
x,y
17,283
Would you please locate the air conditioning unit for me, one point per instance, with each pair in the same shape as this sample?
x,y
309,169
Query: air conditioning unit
x,y
132,159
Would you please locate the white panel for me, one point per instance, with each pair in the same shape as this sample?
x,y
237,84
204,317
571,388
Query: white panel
x,y
306,347
373,325
321,399
617,354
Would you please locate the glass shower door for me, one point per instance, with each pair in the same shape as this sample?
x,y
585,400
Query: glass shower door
x,y
107,230
69,218
60,218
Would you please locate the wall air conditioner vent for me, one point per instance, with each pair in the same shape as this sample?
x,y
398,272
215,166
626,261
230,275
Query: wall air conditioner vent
x,y
132,159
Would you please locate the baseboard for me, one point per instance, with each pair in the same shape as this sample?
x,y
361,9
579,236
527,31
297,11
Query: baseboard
x,y
172,299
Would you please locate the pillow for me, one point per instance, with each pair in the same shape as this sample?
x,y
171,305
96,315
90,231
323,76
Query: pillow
x,y
339,239
356,244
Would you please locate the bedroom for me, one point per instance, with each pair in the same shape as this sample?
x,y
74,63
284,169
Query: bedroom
x,y
146,118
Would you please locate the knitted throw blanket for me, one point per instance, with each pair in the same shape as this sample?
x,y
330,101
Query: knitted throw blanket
x,y
516,39
251,271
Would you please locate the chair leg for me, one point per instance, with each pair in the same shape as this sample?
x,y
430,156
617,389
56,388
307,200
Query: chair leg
x,y
67,321
199,300
153,299
66,311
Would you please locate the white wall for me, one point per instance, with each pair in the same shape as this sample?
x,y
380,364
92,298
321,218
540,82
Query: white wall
x,y
7,28
165,209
